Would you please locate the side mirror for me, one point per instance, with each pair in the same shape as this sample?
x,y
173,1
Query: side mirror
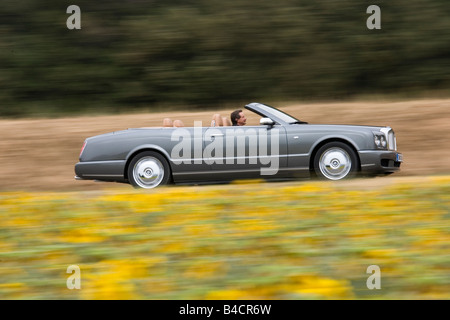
x,y
266,122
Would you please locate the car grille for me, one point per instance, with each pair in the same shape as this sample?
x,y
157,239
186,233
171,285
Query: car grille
x,y
392,141
390,136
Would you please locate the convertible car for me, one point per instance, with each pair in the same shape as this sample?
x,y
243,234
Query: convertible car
x,y
280,148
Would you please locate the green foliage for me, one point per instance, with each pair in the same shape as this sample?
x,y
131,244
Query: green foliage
x,y
137,54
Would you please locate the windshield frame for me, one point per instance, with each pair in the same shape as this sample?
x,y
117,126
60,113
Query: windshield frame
x,y
275,114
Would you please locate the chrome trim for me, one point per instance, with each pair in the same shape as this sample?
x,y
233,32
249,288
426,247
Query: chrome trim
x,y
225,158
236,171
148,172
390,138
102,175
335,163
368,165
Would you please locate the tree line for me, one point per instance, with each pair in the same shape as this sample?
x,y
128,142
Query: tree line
x,y
138,54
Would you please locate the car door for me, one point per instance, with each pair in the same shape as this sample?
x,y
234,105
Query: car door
x,y
298,138
186,147
245,152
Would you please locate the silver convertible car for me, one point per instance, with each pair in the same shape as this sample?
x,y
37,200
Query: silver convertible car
x,y
280,148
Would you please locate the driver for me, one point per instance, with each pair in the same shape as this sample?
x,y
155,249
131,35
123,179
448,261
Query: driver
x,y
238,118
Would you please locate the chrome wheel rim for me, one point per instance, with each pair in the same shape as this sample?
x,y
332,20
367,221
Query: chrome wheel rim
x,y
148,172
335,164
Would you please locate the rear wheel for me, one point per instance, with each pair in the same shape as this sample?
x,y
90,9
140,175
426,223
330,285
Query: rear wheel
x,y
335,161
148,170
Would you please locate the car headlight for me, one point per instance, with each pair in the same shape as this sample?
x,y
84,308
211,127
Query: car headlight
x,y
380,140
377,141
383,142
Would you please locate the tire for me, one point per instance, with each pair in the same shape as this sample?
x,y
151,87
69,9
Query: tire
x,y
148,170
335,161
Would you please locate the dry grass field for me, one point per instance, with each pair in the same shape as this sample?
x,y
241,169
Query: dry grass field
x,y
40,154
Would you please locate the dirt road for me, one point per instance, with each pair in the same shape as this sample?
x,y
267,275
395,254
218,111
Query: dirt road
x,y
39,154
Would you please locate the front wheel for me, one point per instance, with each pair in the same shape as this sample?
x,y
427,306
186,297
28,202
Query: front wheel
x,y
335,161
148,170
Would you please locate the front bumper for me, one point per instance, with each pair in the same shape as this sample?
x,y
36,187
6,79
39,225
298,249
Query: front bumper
x,y
380,161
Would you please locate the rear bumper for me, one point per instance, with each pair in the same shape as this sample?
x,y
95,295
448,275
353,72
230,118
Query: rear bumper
x,y
100,170
380,161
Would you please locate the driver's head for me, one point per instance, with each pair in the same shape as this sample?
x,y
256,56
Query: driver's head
x,y
238,118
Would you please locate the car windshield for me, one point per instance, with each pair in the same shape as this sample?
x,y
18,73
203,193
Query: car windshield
x,y
280,114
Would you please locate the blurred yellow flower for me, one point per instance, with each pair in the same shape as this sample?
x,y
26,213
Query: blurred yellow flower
x,y
319,287
229,294
272,241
